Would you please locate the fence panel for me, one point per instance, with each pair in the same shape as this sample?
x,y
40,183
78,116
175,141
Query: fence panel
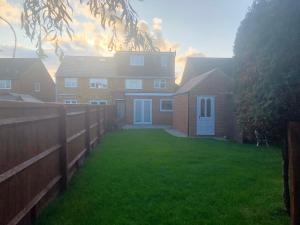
x,y
40,146
294,170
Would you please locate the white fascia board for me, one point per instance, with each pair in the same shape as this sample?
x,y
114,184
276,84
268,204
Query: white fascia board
x,y
148,94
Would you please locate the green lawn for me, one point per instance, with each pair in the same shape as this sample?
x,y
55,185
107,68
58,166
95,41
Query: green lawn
x,y
149,177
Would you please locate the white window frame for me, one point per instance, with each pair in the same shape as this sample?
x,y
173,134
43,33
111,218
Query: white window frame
x,y
138,84
71,82
164,61
5,84
101,83
37,86
158,83
70,101
98,102
137,60
166,110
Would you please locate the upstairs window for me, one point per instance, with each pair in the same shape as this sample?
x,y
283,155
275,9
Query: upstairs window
x,y
71,101
160,84
37,86
98,102
98,83
5,84
166,105
137,60
71,82
133,84
164,61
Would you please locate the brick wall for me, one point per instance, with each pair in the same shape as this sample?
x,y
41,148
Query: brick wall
x,y
180,114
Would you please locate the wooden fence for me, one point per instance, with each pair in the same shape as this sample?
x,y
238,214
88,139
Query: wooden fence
x,y
294,171
41,145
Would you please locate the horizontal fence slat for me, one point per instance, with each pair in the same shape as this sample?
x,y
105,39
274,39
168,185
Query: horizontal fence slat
x,y
93,110
75,113
28,119
73,137
33,202
93,125
17,169
93,141
72,163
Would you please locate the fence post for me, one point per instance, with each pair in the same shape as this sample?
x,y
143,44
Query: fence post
x,y
294,170
98,123
104,118
87,128
64,148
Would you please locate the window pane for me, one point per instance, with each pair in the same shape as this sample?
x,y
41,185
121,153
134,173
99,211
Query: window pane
x,y
71,82
138,111
147,111
164,60
208,108
37,87
5,84
98,102
160,83
137,60
166,105
98,83
133,84
202,108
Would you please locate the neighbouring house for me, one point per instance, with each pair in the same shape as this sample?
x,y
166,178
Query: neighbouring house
x,y
198,65
141,84
203,105
25,79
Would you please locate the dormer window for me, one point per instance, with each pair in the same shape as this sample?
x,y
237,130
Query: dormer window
x,y
137,60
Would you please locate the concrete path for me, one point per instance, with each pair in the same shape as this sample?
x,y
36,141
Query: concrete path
x,y
168,129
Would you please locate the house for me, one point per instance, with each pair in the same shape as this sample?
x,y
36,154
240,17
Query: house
x,y
86,79
199,65
203,105
25,77
141,84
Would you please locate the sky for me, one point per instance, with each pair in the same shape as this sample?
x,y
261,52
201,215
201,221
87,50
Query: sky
x,y
191,28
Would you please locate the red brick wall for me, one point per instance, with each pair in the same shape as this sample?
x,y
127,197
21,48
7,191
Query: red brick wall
x,y
180,114
158,118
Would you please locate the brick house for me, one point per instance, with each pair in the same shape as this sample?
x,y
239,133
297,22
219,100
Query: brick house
x,y
25,79
203,106
141,84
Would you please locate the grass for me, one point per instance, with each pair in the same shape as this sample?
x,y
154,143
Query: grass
x,y
143,177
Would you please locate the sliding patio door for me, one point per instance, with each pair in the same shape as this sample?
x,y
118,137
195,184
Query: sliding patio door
x,y
142,111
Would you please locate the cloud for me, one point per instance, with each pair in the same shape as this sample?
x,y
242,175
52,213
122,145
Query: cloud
x,y
89,37
181,61
10,12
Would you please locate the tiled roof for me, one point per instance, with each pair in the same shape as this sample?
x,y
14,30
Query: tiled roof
x,y
17,97
189,85
199,65
13,68
86,66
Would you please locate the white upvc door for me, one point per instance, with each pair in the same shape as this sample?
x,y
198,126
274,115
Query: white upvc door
x,y
142,111
205,115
